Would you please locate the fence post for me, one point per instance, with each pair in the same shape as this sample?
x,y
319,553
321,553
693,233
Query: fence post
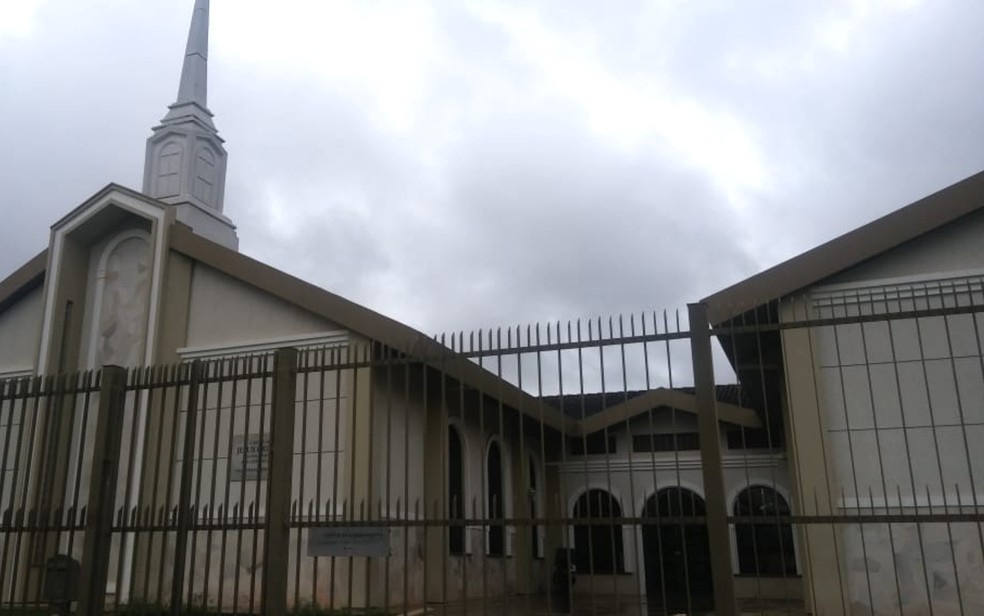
x,y
184,494
276,535
102,491
710,457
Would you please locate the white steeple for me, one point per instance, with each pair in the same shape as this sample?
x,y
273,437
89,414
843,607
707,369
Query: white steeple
x,y
186,162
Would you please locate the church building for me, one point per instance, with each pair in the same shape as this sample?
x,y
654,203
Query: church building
x,y
484,462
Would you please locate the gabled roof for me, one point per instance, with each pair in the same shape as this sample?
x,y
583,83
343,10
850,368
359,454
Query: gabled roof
x,y
30,275
363,321
848,250
25,279
597,411
391,333
583,405
610,410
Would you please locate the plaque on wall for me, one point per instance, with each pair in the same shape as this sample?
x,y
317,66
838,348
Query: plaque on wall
x,y
349,541
250,457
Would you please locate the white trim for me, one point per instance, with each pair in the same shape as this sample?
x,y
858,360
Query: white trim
x,y
15,373
900,281
962,499
645,463
156,214
268,345
752,483
690,486
898,289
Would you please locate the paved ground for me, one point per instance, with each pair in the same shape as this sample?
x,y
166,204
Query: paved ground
x,y
536,606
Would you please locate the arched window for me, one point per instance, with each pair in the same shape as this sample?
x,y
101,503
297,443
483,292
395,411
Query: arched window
x,y
764,548
456,492
598,547
496,538
204,187
169,171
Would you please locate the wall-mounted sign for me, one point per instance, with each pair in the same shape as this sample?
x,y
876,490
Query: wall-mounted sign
x,y
250,457
349,541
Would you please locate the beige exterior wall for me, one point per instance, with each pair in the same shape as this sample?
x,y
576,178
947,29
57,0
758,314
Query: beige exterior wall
x,y
409,470
20,333
398,436
326,403
223,310
885,417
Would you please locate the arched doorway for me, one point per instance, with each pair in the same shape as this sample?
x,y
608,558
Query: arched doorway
x,y
765,548
598,546
677,553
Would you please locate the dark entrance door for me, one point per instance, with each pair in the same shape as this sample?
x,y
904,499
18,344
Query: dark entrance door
x,y
678,557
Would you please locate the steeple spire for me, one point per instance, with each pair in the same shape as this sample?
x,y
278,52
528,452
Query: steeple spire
x,y
194,74
186,161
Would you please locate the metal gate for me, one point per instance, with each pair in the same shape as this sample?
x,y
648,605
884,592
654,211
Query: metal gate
x,y
812,456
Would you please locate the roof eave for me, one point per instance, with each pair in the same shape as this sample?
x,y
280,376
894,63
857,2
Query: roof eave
x,y
25,279
848,250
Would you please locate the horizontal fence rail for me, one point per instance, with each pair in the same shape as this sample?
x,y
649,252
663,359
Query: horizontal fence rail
x,y
812,456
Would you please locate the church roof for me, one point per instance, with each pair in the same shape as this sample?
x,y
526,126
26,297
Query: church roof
x,y
597,411
25,279
605,409
849,250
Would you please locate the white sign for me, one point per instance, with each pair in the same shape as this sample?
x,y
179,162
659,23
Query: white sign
x,y
349,541
250,457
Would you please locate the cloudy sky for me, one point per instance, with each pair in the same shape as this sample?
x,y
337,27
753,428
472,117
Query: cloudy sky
x,y
460,164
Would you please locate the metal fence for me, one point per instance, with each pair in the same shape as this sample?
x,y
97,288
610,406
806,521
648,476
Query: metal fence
x,y
815,456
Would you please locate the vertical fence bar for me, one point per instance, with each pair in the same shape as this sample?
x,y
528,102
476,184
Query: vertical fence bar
x,y
184,496
102,494
276,530
710,454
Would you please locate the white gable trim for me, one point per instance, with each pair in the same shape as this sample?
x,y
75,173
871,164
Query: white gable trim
x,y
155,213
15,373
904,287
257,347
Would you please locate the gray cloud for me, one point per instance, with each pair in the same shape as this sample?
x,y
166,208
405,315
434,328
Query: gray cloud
x,y
499,201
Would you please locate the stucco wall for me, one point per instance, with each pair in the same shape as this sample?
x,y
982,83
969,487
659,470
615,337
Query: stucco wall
x,y
410,466
230,413
890,423
903,408
223,310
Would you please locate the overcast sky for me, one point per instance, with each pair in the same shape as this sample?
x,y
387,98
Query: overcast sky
x,y
466,164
